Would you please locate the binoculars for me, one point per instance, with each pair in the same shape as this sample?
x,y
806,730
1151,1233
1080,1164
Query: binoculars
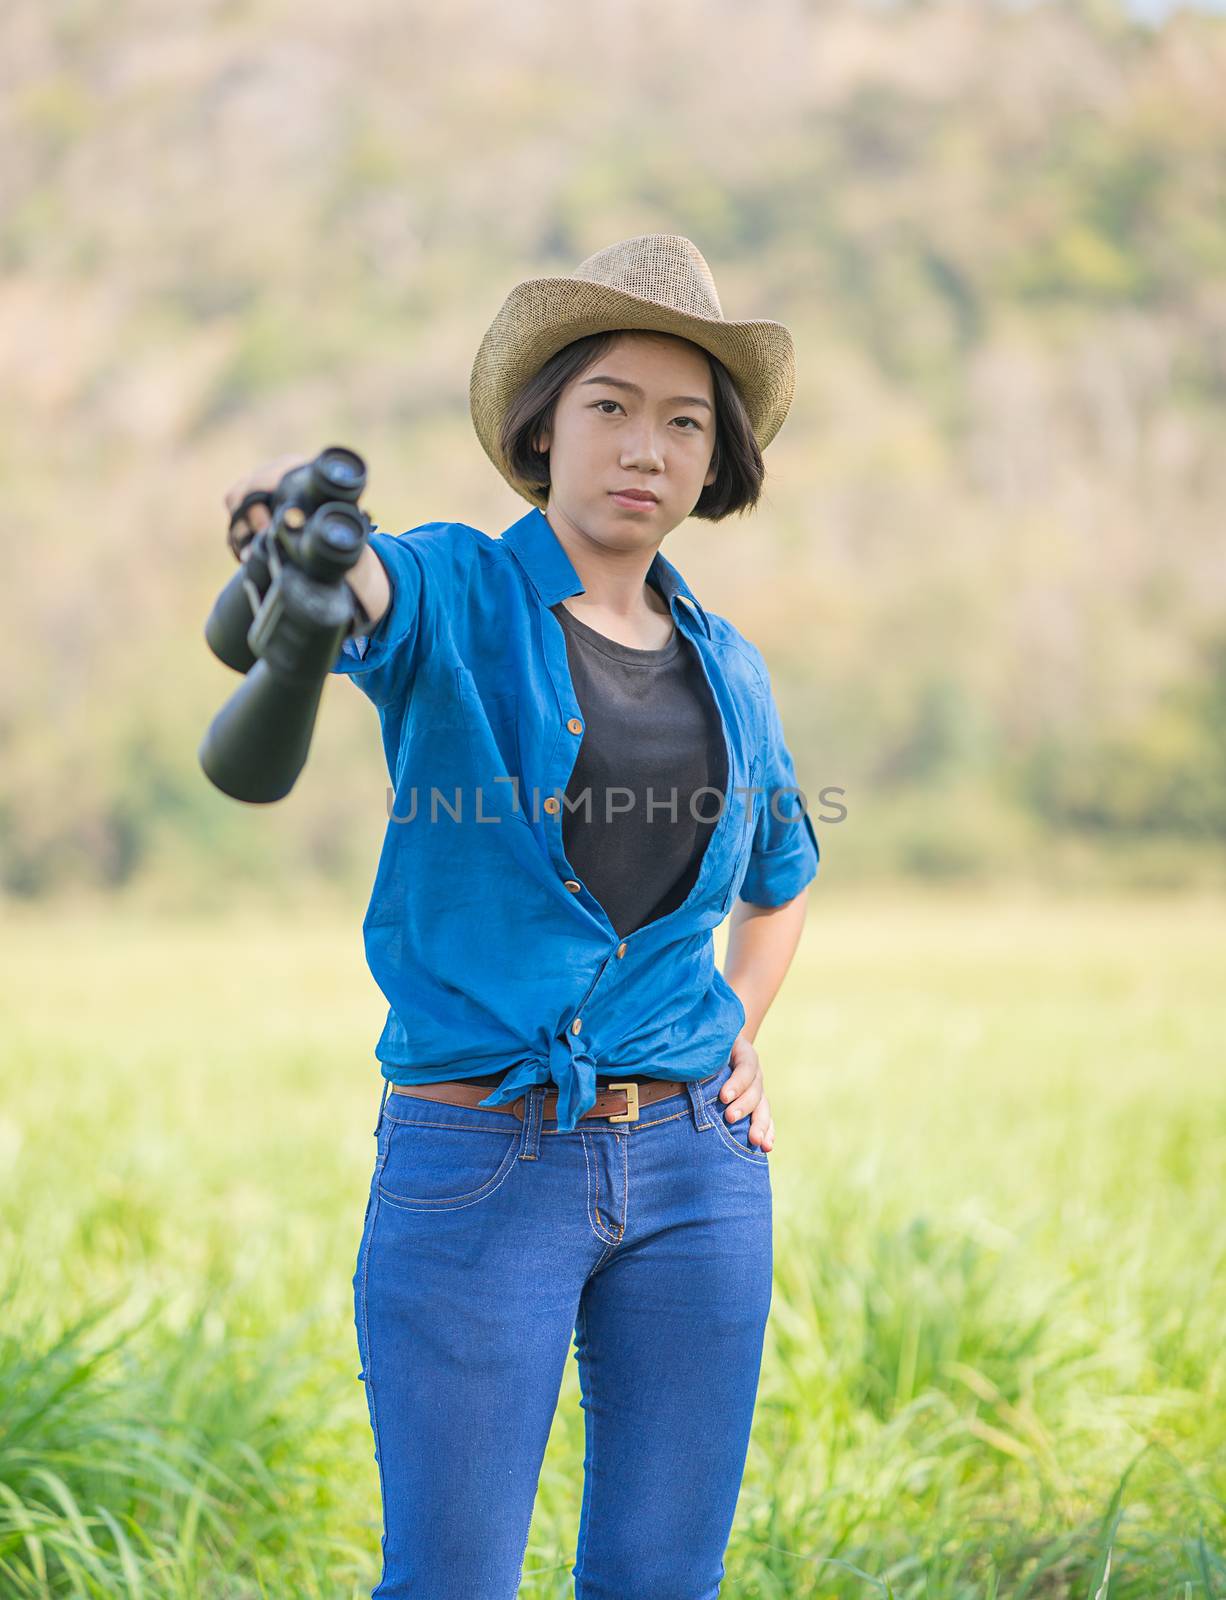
x,y
281,621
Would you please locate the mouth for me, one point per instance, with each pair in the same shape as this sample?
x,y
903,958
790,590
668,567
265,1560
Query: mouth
x,y
639,499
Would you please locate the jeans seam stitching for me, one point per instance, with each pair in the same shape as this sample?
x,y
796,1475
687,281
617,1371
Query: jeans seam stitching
x,y
370,1390
610,1246
594,1222
589,1479
656,1122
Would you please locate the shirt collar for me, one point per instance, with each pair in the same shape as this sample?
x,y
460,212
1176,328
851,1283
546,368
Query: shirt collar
x,y
540,553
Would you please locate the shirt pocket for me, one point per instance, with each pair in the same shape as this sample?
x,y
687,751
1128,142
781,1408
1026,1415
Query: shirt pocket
x,y
745,810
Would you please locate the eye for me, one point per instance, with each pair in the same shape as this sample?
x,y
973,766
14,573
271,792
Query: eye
x,y
695,425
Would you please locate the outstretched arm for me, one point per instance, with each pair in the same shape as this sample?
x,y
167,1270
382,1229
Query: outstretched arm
x,y
368,580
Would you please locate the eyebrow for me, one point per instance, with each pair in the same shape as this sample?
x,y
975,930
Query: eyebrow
x,y
676,399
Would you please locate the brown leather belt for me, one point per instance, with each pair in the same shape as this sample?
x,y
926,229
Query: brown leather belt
x,y
616,1102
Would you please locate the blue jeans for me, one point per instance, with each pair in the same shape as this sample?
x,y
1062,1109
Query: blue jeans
x,y
487,1242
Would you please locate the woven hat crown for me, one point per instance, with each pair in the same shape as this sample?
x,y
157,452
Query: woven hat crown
x,y
661,267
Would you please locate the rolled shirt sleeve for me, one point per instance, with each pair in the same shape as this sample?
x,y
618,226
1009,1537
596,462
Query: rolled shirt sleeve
x,y
784,856
383,662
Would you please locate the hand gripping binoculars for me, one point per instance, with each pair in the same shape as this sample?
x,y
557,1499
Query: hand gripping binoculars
x,y
281,621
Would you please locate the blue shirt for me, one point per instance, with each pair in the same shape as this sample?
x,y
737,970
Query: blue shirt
x,y
489,952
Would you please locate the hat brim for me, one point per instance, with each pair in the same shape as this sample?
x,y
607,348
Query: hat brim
x,y
541,315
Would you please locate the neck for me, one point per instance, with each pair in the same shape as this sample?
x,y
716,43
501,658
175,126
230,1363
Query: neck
x,y
615,581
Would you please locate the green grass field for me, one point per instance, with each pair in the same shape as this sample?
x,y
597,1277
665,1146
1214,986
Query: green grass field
x,y
996,1347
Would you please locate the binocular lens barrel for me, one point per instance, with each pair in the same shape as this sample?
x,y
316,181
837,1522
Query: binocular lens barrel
x,y
340,533
332,541
343,471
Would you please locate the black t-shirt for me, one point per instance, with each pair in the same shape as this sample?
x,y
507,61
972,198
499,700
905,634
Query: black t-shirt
x,y
652,728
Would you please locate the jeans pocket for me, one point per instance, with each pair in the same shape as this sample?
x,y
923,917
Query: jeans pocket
x,y
735,1135
437,1161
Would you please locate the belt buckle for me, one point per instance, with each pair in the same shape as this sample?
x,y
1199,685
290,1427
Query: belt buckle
x,y
631,1113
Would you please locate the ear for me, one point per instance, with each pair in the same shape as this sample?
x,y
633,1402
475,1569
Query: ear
x,y
541,443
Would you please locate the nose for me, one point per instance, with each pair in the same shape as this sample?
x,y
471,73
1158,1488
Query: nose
x,y
641,450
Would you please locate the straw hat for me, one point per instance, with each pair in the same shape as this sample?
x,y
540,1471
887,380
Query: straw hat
x,y
658,281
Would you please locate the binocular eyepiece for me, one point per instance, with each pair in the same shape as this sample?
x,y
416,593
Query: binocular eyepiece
x,y
281,621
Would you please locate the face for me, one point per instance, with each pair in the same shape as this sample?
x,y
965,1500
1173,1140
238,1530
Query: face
x,y
642,417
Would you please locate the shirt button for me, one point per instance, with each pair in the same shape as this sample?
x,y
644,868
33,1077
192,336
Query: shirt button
x,y
575,725
576,1025
621,950
553,805
572,886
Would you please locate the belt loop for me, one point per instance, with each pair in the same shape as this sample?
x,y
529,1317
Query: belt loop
x,y
698,1104
534,1115
387,1083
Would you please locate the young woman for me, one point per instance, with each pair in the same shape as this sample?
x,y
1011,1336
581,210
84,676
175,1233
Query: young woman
x,y
589,773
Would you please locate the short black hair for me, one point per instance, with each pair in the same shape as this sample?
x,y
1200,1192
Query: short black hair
x,y
739,470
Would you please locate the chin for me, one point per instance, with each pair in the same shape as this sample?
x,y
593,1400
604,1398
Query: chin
x,y
632,528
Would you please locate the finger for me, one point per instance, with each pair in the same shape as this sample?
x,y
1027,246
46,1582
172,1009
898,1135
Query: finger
x,y
761,1125
244,527
745,1070
744,1103
234,494
239,537
737,1082
266,477
740,1057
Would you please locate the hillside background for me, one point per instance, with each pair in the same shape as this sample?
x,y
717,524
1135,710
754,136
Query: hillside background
x,y
989,574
